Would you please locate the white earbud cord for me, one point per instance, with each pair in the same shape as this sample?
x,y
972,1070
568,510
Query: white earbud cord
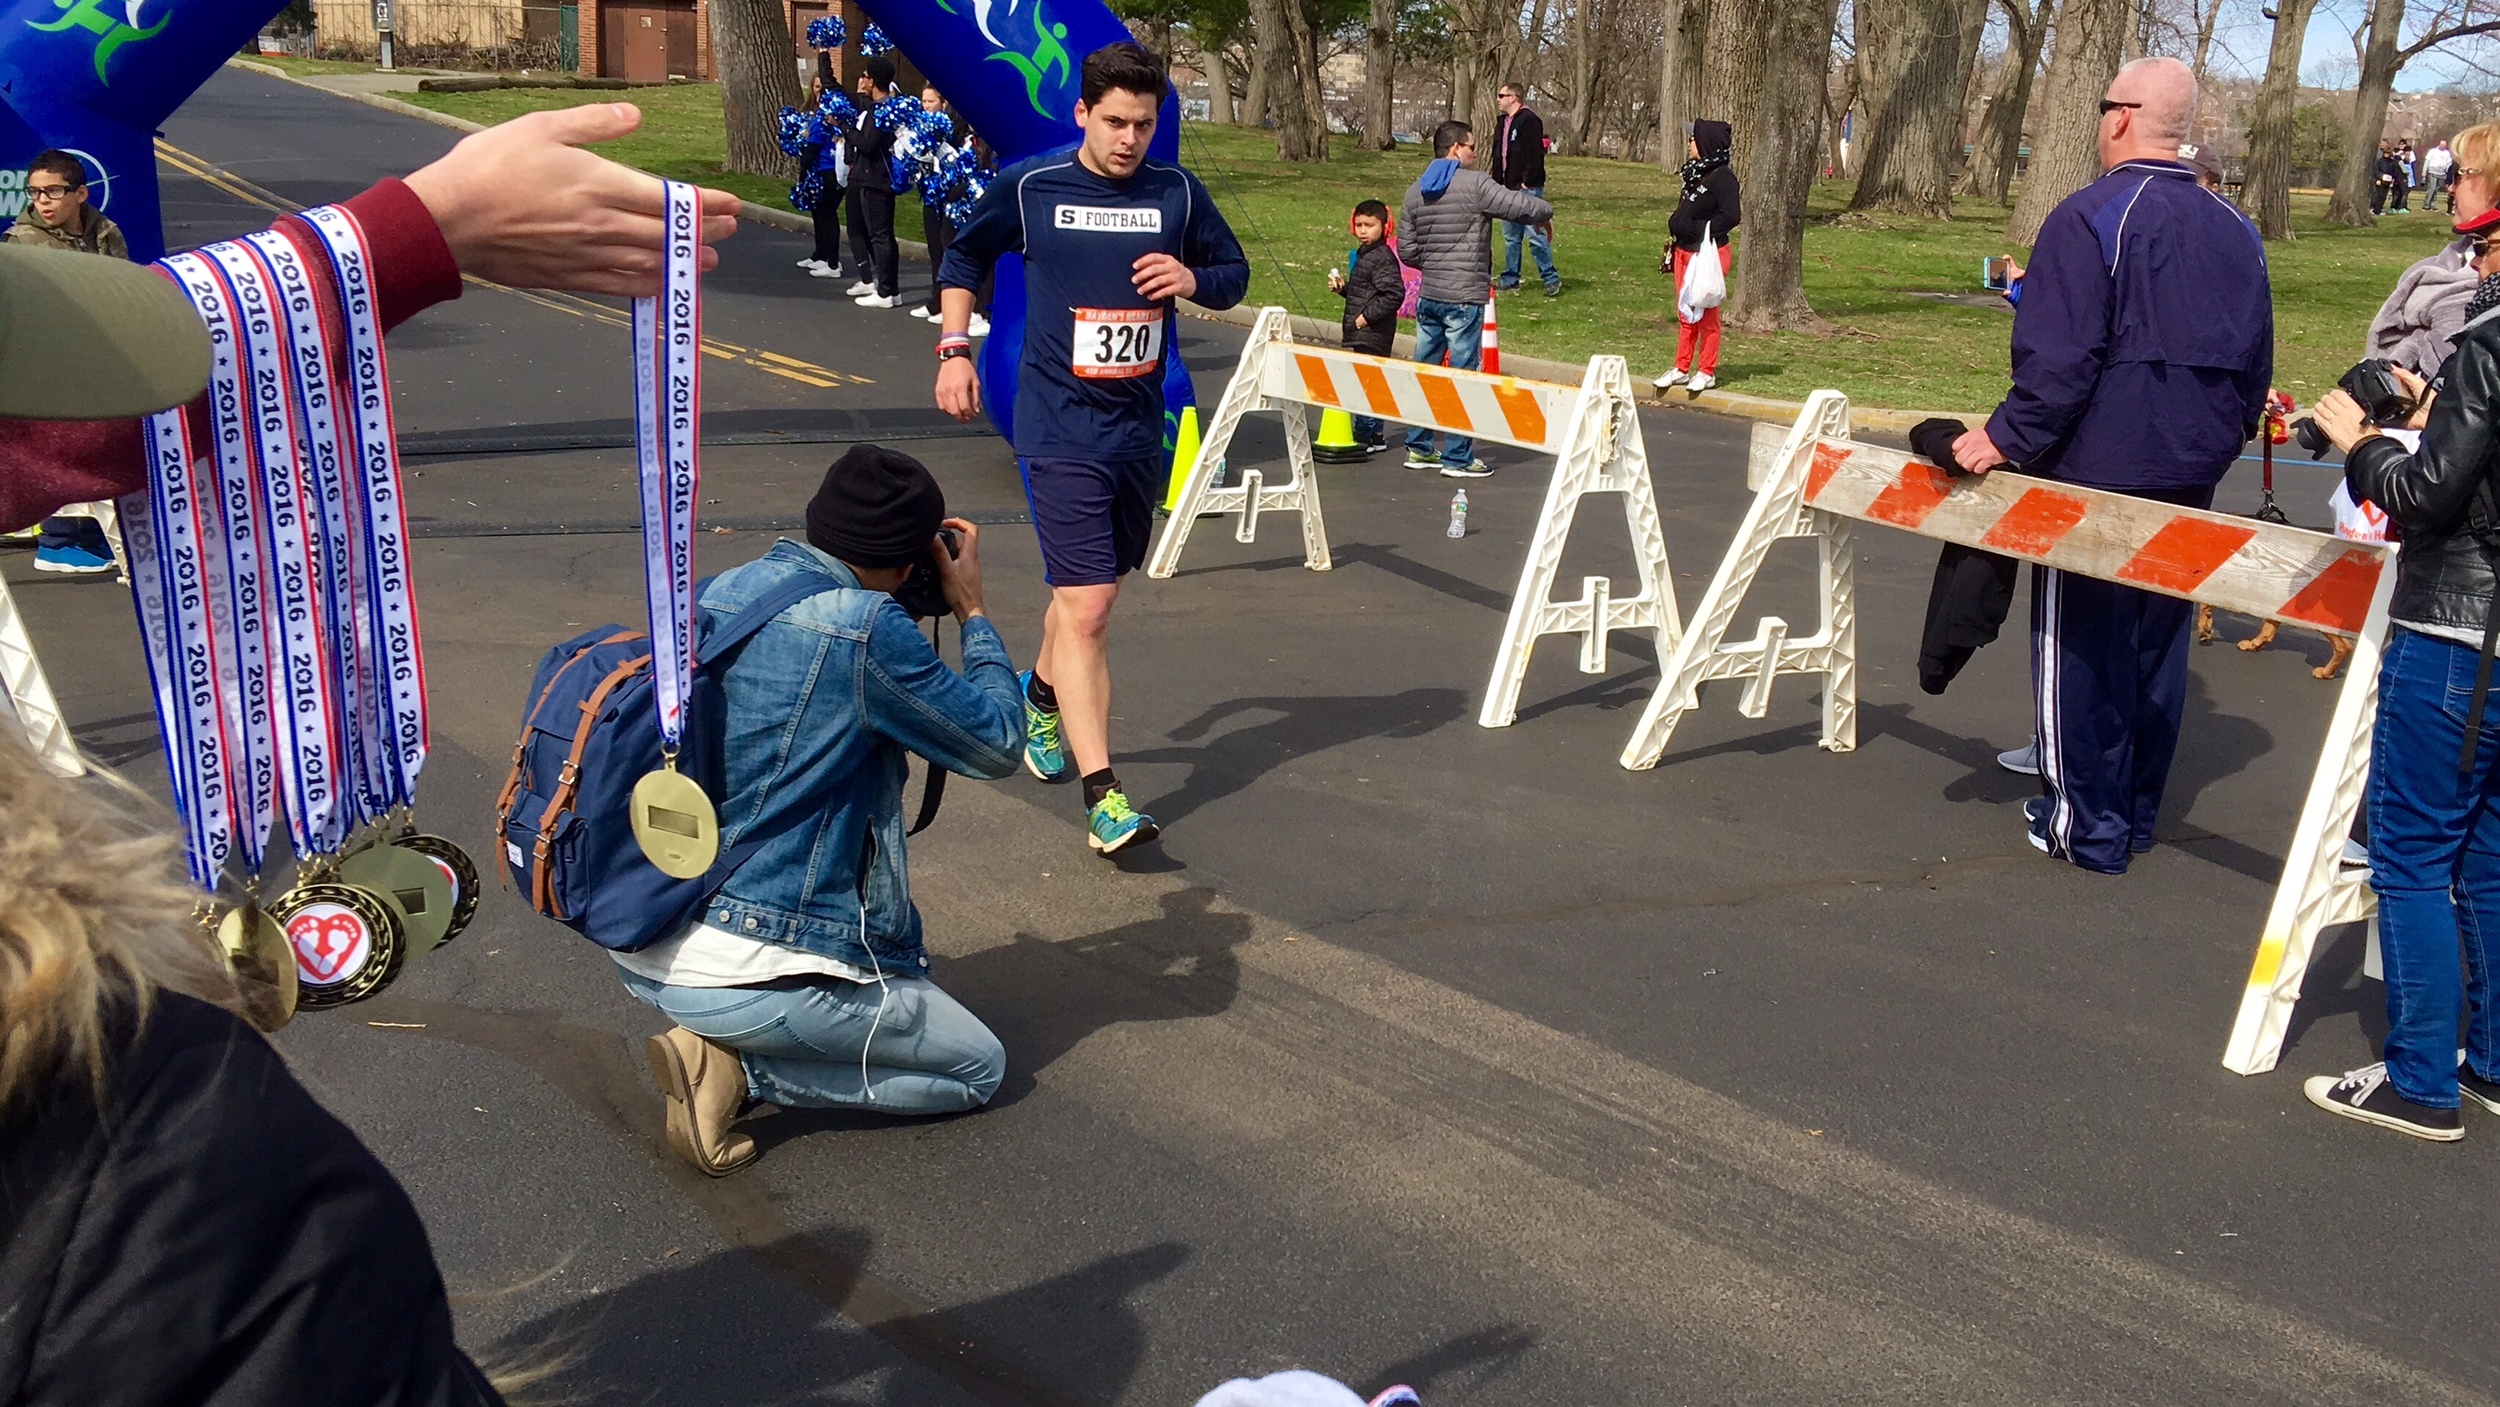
x,y
883,994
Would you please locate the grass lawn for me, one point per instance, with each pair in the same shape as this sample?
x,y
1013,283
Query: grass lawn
x,y
1895,348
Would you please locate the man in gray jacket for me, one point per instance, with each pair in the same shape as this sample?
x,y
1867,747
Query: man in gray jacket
x,y
1443,231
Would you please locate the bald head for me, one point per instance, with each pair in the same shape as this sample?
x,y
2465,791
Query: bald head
x,y
2160,99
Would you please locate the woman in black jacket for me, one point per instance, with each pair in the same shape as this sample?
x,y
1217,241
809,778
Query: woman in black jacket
x,y
2434,789
1709,204
180,1223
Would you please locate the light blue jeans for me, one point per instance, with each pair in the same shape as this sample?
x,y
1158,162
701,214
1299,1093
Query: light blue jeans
x,y
1540,244
1457,328
802,1041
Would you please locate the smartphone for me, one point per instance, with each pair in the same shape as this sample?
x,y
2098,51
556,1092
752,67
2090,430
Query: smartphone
x,y
1996,272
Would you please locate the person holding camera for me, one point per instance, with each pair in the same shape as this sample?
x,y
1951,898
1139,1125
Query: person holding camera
x,y
2142,350
805,983
2434,791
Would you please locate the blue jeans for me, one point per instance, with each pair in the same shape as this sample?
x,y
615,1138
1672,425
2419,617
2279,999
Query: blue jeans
x,y
802,1039
1457,328
2435,863
1539,243
1368,430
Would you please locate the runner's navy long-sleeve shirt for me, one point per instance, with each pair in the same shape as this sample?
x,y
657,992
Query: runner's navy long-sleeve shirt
x,y
2144,341
1090,384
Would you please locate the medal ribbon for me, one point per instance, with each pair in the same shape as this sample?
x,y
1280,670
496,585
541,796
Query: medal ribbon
x,y
308,730
668,391
397,656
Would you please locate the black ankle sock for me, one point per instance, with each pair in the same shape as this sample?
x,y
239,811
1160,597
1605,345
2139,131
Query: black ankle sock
x,y
1041,695
1098,785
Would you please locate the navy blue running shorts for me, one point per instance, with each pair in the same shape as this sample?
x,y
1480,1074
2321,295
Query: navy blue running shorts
x,y
1094,519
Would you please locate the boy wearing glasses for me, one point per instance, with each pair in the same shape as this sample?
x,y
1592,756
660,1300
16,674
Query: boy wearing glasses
x,y
57,215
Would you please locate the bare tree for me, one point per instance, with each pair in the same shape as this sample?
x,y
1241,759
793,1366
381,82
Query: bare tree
x,y
2266,191
2209,16
1679,75
1998,148
1380,62
1254,105
1291,62
751,54
1575,141
2065,156
2383,56
1925,52
1771,59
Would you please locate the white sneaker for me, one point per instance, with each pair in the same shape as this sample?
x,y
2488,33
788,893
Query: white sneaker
x,y
824,271
811,262
863,286
980,327
921,311
2024,760
1672,378
877,300
1702,381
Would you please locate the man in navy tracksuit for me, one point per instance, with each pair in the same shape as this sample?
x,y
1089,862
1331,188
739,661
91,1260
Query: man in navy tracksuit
x,y
2142,350
1109,239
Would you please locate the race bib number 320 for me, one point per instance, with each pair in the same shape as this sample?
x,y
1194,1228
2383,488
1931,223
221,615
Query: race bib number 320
x,y
1117,342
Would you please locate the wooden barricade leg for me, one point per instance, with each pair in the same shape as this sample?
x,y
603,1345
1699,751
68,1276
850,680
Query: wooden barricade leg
x,y
1252,496
2317,890
25,692
1778,512
1602,452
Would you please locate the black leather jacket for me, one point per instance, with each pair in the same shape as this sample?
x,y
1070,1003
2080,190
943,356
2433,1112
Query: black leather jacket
x,y
2443,574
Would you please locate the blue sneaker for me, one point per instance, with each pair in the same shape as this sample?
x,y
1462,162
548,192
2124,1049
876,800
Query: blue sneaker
x,y
1045,753
77,559
1114,825
2036,823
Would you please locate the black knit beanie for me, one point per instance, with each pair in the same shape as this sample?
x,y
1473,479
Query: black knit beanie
x,y
878,508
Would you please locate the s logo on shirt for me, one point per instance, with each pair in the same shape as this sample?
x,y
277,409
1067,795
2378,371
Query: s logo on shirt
x,y
1109,219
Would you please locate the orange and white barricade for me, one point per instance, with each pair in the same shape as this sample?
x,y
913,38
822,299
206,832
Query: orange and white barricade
x,y
27,694
1593,430
1815,483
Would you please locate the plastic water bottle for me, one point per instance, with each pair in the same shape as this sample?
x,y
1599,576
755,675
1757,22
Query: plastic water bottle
x,y
1458,515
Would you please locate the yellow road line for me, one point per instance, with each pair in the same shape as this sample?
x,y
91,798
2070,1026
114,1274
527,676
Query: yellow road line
x,y
790,368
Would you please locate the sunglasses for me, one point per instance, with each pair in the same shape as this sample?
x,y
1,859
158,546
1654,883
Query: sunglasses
x,y
2108,106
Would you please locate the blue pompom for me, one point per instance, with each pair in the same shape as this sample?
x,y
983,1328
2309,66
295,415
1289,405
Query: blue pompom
x,y
825,33
803,196
872,42
791,130
838,111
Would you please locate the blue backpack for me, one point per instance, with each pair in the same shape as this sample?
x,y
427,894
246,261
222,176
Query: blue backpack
x,y
591,733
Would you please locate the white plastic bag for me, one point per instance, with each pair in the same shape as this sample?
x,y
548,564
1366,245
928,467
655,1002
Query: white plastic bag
x,y
1705,283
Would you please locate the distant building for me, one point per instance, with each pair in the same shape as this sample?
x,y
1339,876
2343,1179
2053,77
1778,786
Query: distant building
x,y
646,41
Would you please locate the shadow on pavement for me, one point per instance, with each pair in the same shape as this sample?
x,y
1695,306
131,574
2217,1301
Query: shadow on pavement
x,y
1469,1361
1301,728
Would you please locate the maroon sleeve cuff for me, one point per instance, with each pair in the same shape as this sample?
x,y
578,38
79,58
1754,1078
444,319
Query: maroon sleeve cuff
x,y
412,267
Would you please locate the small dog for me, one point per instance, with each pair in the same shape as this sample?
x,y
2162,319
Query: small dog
x,y
2265,636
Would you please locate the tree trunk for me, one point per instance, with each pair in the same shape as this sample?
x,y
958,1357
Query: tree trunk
x,y
1254,105
1786,128
2066,156
1380,67
1999,148
751,57
1679,76
1737,43
1575,137
1492,35
1928,49
2266,194
2205,23
1219,87
2351,202
1300,24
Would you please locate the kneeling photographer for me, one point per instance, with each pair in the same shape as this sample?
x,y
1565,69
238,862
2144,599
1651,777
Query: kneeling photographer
x,y
2434,788
804,982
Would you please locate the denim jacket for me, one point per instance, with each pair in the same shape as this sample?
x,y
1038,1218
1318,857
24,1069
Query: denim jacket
x,y
824,704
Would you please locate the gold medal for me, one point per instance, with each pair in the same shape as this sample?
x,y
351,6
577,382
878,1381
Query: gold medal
x,y
457,868
414,882
346,938
263,968
675,824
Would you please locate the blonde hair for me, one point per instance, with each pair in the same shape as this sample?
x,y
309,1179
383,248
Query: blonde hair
x,y
2478,149
93,915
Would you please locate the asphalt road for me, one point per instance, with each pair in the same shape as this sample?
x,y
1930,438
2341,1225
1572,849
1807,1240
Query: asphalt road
x,y
1416,1051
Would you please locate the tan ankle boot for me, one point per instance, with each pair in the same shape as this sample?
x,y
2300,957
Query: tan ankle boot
x,y
705,1086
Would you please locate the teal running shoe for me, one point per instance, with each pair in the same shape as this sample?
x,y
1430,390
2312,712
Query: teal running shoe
x,y
1114,825
1045,754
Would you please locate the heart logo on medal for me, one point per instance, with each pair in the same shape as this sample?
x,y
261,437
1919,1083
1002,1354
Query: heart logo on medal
x,y
330,943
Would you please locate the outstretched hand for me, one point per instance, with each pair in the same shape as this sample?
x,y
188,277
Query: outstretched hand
x,y
521,204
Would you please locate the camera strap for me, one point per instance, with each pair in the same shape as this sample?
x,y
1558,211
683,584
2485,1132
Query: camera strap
x,y
933,789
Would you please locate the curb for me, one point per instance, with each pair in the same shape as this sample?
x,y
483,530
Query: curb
x,y
1869,419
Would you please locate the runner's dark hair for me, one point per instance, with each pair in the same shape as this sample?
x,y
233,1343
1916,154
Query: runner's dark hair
x,y
1448,135
58,163
1126,67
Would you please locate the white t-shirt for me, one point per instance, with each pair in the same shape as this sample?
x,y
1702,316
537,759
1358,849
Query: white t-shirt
x,y
704,956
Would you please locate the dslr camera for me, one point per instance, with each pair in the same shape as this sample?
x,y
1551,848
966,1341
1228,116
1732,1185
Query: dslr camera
x,y
922,594
2373,385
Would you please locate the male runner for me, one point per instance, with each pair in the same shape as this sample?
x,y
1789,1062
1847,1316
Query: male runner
x,y
1109,239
